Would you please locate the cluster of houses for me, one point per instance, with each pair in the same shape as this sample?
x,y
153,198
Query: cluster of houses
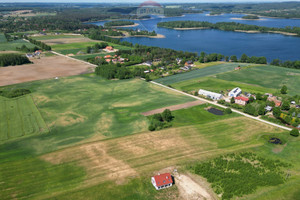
x,y
239,97
187,65
37,53
115,59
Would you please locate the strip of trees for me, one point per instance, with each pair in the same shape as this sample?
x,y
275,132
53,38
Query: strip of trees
x,y
227,26
13,59
38,43
118,23
12,93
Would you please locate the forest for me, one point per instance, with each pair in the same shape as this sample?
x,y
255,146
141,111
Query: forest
x,y
118,23
13,59
250,17
227,26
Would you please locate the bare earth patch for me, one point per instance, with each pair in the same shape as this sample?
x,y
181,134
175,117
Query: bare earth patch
x,y
44,68
175,107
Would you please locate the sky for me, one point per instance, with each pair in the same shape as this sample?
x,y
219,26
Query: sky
x,y
140,1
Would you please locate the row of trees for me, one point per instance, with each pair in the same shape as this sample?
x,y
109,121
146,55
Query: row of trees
x,y
118,23
38,43
287,64
13,59
141,33
12,93
26,49
226,26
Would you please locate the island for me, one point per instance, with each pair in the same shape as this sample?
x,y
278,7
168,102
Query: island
x,y
251,17
121,23
228,26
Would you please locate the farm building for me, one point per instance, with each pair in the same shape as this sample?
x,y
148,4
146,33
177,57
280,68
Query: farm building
x,y
235,92
162,181
241,100
209,94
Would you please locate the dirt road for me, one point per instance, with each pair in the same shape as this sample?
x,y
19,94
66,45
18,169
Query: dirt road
x,y
175,107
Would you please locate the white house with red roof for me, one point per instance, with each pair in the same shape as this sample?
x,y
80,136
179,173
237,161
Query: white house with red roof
x,y
162,181
241,100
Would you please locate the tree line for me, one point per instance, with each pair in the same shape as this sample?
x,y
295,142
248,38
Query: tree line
x,y
13,59
227,26
38,43
118,23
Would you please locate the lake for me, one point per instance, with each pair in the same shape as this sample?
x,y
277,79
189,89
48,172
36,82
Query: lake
x,y
228,43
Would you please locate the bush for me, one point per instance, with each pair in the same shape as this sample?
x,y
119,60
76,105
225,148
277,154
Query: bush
x,y
294,133
222,101
228,111
14,93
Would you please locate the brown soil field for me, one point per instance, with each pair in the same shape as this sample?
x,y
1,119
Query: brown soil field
x,y
175,107
44,68
68,40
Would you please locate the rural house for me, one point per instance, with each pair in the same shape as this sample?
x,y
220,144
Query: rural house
x,y
241,100
275,100
162,181
235,92
209,94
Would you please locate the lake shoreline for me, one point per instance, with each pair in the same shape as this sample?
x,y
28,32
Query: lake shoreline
x,y
237,18
125,26
158,36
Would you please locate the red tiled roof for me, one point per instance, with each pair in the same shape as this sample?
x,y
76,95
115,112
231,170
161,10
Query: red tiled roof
x,y
163,179
242,98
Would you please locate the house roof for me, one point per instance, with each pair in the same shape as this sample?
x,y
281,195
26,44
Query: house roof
x,y
242,98
163,179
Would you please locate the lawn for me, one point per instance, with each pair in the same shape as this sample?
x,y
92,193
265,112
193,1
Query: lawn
x,y
217,85
11,46
203,72
20,117
267,76
99,147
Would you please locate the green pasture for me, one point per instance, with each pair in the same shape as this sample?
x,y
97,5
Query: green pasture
x,y
11,46
20,117
2,38
50,37
203,72
217,85
268,77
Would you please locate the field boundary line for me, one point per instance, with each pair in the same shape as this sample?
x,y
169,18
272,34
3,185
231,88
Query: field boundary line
x,y
222,106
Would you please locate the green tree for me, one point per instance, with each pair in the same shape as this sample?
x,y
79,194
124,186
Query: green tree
x,y
232,100
244,58
233,58
261,109
285,105
294,133
167,115
276,112
283,90
228,111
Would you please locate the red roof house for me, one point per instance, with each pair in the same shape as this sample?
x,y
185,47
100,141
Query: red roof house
x,y
241,100
162,181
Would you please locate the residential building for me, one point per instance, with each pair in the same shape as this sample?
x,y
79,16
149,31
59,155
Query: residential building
x,y
211,95
235,92
241,100
275,100
268,108
162,181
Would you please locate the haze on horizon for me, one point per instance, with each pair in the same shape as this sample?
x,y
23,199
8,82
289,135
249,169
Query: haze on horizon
x,y
140,1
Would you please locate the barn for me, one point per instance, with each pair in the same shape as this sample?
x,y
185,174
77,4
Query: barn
x,y
162,181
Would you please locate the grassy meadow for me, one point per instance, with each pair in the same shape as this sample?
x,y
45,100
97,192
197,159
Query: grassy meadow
x,y
202,72
267,76
20,117
217,85
99,146
11,46
51,37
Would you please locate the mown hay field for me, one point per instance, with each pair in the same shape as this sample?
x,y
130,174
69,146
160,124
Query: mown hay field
x,y
20,117
267,76
203,72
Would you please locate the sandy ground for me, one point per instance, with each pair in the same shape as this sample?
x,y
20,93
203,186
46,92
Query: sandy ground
x,y
175,107
236,18
134,25
44,68
192,189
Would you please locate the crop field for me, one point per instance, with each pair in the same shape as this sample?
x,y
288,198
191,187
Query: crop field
x,y
217,85
20,117
80,46
207,71
11,46
99,146
267,76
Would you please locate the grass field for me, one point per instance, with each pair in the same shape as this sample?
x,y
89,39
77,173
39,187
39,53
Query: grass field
x,y
11,46
217,85
99,146
20,117
2,38
50,37
267,76
207,71
84,57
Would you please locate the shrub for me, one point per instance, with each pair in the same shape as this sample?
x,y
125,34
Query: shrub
x,y
294,133
228,111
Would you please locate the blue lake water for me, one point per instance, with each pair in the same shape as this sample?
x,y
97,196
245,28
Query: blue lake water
x,y
228,43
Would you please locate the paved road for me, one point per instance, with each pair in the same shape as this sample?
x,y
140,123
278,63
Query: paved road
x,y
222,106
